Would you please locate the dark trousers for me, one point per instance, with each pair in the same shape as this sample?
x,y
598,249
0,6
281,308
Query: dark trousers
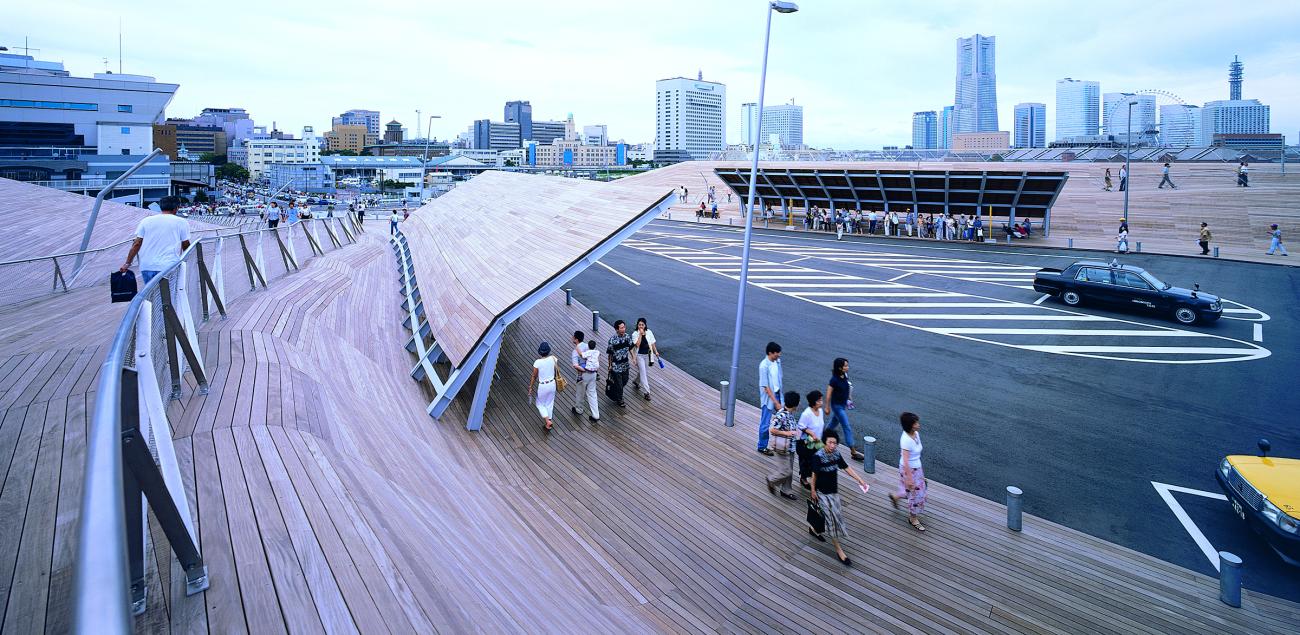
x,y
617,381
273,223
806,456
1123,183
1166,180
1205,247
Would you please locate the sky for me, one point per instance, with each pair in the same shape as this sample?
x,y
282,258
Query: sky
x,y
859,68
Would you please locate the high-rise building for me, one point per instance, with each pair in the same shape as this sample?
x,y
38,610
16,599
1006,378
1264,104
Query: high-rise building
x,y
1234,116
1030,126
690,118
521,112
945,127
925,130
976,106
1078,108
786,122
1115,117
346,137
495,135
234,121
367,118
544,132
1180,125
597,135
748,123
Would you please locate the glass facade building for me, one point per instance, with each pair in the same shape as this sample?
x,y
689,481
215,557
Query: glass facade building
x,y
1078,108
786,122
976,106
925,130
1030,126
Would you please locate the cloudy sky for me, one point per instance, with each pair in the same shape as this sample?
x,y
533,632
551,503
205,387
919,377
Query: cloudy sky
x,y
859,67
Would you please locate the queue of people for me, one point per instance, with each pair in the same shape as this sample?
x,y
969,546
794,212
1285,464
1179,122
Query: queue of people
x,y
909,223
812,439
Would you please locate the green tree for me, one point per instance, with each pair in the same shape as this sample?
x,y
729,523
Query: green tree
x,y
510,163
200,197
232,172
213,158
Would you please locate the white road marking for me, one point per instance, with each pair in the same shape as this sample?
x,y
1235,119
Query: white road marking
x,y
1081,332
1040,300
1157,350
900,277
991,318
1259,332
790,262
1165,492
923,305
618,273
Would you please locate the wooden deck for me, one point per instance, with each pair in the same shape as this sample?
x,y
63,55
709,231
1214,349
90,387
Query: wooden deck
x,y
327,500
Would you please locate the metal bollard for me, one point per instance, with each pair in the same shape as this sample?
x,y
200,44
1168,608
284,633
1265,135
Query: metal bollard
x,y
595,321
728,221
1069,243
568,297
1139,244
766,221
1216,252
1230,579
1014,505
869,450
722,394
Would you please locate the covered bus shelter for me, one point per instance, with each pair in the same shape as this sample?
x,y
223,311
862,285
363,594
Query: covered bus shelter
x,y
474,260
1004,193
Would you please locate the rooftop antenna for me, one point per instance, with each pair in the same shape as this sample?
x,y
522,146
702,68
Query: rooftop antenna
x,y
105,64
119,45
1234,78
700,76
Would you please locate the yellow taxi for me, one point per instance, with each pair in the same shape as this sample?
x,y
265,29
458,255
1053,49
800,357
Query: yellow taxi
x,y
1265,493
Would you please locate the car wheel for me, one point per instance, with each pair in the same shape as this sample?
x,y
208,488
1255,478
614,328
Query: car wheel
x,y
1185,315
1071,298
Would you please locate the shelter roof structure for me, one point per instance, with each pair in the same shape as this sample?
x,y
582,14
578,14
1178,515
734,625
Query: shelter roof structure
x,y
478,257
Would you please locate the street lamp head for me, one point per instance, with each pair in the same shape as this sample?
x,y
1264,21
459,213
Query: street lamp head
x,y
783,7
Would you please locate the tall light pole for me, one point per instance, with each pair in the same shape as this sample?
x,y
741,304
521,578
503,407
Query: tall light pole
x,y
1128,158
424,163
779,7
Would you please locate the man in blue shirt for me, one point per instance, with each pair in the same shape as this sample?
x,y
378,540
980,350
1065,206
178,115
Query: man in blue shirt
x,y
769,390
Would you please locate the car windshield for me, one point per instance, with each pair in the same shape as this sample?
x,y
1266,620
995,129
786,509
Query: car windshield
x,y
1155,282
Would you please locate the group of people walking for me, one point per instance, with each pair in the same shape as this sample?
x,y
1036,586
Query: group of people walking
x,y
1108,185
623,349
812,439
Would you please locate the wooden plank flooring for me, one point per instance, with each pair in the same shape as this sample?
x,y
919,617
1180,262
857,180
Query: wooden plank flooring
x,y
327,501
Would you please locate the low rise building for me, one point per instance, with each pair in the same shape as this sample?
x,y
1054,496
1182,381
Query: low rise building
x,y
981,141
263,152
562,153
349,137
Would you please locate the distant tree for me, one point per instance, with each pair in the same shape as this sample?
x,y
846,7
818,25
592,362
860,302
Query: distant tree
x,y
996,157
200,197
341,153
232,172
213,158
510,163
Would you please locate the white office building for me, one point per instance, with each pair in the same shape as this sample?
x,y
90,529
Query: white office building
x,y
1030,126
1234,116
359,117
1180,125
41,104
748,122
263,152
690,118
1078,108
1115,115
786,122
597,135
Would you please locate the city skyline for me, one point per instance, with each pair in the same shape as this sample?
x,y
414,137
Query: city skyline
x,y
305,76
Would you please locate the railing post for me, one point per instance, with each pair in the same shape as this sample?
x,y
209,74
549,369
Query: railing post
x,y
131,495
59,281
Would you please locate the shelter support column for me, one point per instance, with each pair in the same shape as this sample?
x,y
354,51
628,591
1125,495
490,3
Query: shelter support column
x,y
483,387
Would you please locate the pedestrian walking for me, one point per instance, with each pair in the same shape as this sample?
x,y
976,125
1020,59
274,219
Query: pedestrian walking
x,y
839,224
585,360
1165,179
544,378
160,240
826,492
812,423
1204,240
911,477
784,437
618,349
1106,187
714,209
1275,241
1243,174
395,218
273,215
686,195
1121,240
1123,178
769,389
839,393
646,354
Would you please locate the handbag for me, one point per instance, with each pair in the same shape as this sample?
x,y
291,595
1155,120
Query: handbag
x,y
815,518
121,285
560,383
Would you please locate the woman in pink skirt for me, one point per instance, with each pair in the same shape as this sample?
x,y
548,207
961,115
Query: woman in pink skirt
x,y
911,478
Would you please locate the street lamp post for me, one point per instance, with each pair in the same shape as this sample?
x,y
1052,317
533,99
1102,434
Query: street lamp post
x,y
424,163
1128,158
779,7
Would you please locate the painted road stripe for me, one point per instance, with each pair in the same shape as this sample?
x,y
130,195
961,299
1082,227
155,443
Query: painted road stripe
x,y
1259,332
853,294
901,294
618,273
1159,350
1081,332
994,317
820,276
854,285
926,305
900,277
1199,538
1040,300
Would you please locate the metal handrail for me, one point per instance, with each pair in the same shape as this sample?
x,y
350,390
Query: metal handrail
x,y
99,201
67,254
102,581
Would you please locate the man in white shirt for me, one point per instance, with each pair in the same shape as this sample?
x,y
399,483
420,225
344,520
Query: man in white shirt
x,y
393,221
160,240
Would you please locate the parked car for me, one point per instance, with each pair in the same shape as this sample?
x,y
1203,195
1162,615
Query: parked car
x,y
1265,494
1129,287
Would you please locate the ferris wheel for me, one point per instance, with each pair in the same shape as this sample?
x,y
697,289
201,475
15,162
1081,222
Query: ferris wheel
x,y
1176,125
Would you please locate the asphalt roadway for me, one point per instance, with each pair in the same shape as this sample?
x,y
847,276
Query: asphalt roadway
x,y
1092,426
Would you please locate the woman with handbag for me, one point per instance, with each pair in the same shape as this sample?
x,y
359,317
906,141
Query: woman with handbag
x,y
783,438
811,424
839,391
546,379
911,478
826,491
643,340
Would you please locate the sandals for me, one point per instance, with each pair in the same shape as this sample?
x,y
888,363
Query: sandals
x,y
847,561
916,524
816,535
549,425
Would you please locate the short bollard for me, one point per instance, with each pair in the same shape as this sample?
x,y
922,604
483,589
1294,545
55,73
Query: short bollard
x,y
1069,243
568,297
869,452
1013,508
766,221
722,394
1216,252
1230,579
728,220
1139,245
595,321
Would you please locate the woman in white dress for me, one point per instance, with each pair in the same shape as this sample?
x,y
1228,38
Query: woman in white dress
x,y
544,378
